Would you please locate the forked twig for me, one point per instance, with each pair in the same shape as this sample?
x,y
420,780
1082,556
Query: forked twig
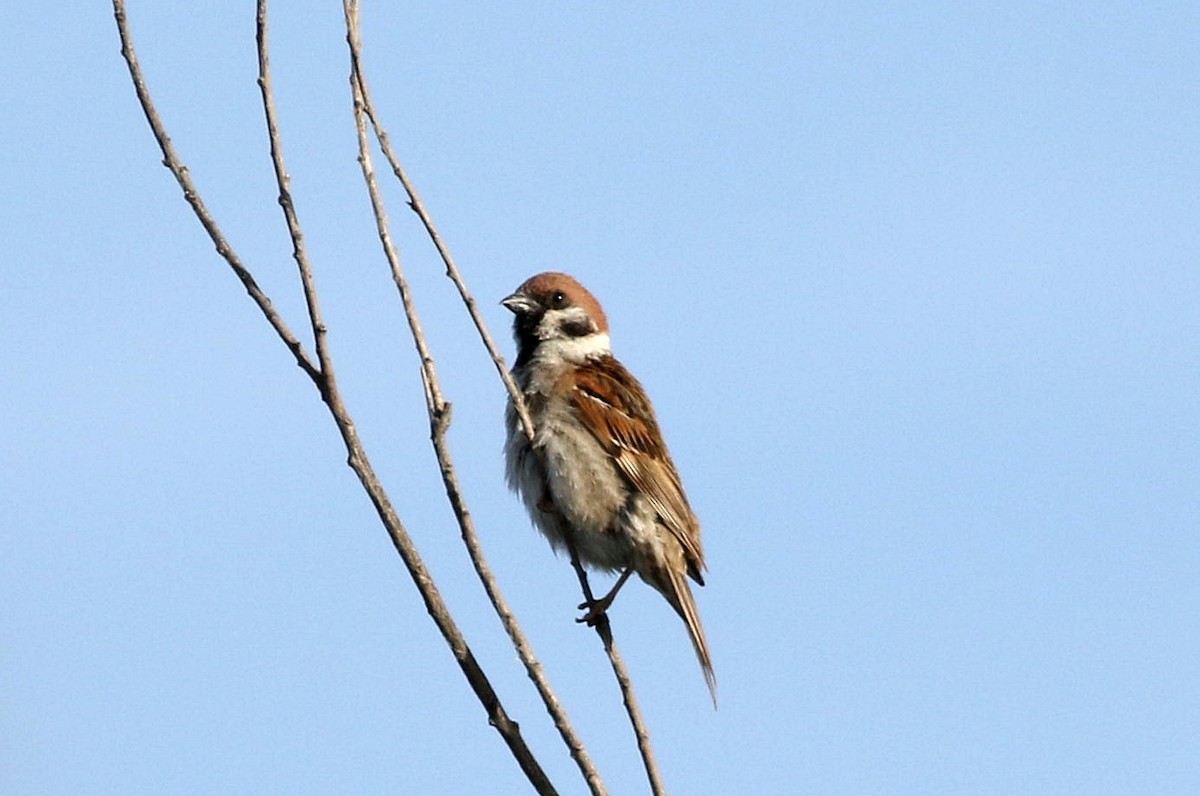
x,y
192,196
283,181
603,629
322,377
439,419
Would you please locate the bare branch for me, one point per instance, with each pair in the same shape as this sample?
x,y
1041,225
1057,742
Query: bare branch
x,y
414,200
439,411
299,254
175,165
356,455
628,697
603,628
358,458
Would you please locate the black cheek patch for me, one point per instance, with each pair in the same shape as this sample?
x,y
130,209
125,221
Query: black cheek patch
x,y
578,327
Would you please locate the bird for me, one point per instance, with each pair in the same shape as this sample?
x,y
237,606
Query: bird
x,y
597,479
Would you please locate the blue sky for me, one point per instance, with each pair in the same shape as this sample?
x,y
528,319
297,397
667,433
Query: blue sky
x,y
914,289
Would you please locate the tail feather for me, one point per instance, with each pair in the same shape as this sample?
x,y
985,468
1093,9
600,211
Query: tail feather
x,y
679,594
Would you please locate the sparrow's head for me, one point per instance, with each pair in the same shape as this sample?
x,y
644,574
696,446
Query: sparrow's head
x,y
555,312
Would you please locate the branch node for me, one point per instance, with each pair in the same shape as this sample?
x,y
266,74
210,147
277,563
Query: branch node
x,y
444,416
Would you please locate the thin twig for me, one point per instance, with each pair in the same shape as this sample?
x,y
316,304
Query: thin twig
x,y
358,459
283,181
518,399
439,418
414,201
183,177
604,630
356,455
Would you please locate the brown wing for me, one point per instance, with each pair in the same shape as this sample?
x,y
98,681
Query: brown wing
x,y
613,405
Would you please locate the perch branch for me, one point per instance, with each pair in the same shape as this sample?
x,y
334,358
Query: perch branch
x,y
439,411
357,458
603,629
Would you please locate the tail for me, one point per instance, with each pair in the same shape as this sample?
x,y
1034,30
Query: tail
x,y
679,594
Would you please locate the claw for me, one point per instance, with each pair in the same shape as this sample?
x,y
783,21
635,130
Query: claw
x,y
595,611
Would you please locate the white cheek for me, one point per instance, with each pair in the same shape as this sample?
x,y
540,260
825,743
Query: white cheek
x,y
575,349
554,320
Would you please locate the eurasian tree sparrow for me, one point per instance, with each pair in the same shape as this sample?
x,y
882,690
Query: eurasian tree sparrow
x,y
597,480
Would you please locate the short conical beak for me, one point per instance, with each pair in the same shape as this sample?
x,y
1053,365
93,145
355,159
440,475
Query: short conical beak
x,y
519,303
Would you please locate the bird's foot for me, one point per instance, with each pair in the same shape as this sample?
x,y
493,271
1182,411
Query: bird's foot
x,y
596,610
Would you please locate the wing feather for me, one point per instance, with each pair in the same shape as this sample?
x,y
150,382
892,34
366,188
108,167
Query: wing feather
x,y
613,406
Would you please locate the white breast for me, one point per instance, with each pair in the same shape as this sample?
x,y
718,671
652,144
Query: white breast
x,y
570,485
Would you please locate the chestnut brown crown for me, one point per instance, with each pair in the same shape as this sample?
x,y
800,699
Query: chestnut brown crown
x,y
553,290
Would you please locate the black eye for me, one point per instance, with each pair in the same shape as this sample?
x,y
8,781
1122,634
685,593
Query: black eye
x,y
558,300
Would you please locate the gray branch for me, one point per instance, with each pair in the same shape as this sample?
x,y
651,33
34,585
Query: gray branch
x,y
322,376
603,628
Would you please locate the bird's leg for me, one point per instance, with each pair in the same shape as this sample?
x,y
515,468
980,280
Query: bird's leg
x,y
597,608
